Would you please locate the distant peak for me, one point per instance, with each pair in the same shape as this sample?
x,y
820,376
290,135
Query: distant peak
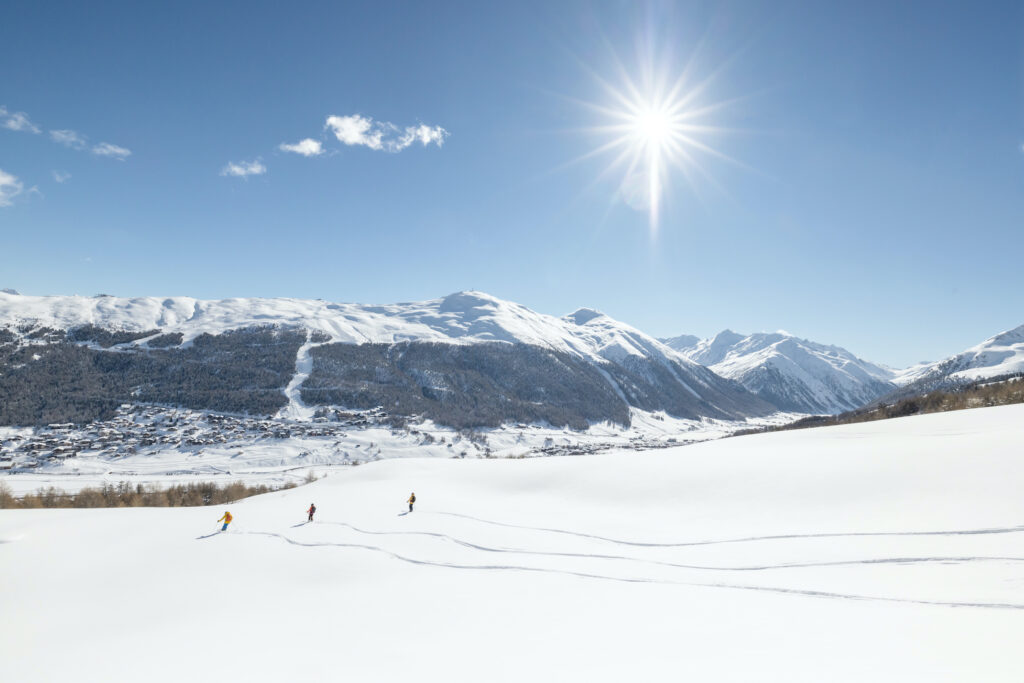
x,y
681,342
583,316
11,291
727,337
466,300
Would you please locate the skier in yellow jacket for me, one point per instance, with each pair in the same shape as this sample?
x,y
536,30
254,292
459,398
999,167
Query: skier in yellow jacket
x,y
412,499
226,519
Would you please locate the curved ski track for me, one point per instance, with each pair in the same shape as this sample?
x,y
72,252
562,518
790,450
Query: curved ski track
x,y
956,559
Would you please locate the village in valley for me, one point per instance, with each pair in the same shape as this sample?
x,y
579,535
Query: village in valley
x,y
152,430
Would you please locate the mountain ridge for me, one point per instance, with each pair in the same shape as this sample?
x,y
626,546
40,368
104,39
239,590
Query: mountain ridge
x,y
399,355
792,373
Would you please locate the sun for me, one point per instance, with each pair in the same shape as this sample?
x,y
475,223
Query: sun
x,y
653,126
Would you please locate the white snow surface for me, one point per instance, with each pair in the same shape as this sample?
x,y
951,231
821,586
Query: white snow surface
x,y
1000,355
826,378
886,551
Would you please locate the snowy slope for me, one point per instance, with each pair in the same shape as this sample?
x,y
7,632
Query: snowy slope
x,y
887,551
794,374
1000,355
464,317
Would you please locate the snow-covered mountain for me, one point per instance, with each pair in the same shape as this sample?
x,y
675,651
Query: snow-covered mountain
x,y
794,374
997,356
458,351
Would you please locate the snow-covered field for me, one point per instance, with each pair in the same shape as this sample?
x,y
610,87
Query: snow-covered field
x,y
888,551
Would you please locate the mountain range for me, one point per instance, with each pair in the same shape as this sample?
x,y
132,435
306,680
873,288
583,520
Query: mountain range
x,y
466,360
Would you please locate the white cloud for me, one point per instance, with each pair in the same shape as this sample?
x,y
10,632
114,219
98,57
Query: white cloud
x,y
17,120
381,135
424,134
105,149
244,168
10,187
61,176
307,148
356,130
68,138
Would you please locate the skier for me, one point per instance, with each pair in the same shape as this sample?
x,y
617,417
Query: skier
x,y
310,511
412,499
226,519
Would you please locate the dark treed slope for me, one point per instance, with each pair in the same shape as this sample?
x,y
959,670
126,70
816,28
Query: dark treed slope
x,y
61,381
487,384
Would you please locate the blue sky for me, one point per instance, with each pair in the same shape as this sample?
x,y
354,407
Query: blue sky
x,y
869,190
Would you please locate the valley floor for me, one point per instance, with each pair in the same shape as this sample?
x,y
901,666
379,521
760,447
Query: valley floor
x,y
888,551
192,446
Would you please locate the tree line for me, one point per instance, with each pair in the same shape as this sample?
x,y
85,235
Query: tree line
x,y
140,495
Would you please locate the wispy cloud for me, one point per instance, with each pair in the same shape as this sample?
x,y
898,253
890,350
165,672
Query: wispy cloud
x,y
243,169
382,135
307,148
17,120
10,187
75,140
68,138
61,176
105,149
355,129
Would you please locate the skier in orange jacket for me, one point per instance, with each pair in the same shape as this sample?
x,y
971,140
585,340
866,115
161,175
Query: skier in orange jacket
x,y
226,519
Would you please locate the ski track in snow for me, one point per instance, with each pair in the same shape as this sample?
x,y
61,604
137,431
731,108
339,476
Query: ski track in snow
x,y
634,579
749,539
756,568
